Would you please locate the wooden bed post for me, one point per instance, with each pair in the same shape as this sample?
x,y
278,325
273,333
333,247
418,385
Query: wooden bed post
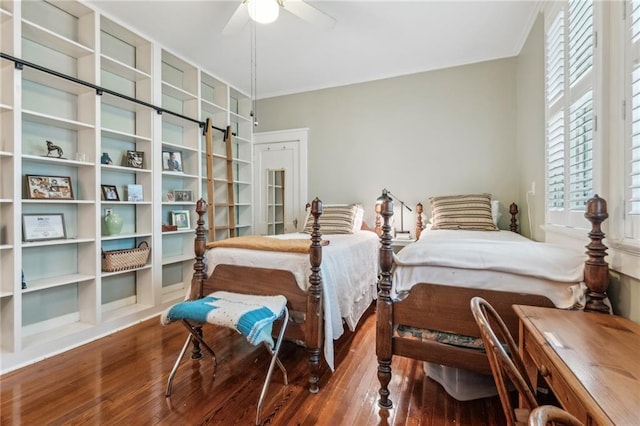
x,y
596,269
419,224
513,211
378,228
384,306
199,247
314,322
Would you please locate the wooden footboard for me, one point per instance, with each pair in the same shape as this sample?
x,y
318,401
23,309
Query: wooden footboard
x,y
306,312
447,308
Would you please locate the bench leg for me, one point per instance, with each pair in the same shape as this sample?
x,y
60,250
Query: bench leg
x,y
274,360
193,334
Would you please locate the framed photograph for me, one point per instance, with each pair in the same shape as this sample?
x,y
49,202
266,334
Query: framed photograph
x,y
135,159
182,195
57,187
172,161
180,218
110,193
135,192
43,226
167,196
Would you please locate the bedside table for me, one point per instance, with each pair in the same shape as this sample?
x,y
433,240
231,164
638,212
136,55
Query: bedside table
x,y
397,245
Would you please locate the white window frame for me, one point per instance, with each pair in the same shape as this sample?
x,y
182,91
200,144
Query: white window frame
x,y
612,109
565,216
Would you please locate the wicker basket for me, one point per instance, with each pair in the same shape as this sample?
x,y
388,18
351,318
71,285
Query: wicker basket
x,y
121,260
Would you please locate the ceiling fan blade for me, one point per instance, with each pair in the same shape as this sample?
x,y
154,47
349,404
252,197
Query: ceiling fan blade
x,y
310,14
238,20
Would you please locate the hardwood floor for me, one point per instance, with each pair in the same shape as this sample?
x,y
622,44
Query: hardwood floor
x,y
121,379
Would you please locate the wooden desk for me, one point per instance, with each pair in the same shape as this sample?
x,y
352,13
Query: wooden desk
x,y
590,361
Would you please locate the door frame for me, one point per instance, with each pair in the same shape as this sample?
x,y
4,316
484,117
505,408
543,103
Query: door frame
x,y
299,136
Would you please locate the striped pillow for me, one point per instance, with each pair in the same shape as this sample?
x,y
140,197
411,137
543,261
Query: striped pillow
x,y
333,220
470,212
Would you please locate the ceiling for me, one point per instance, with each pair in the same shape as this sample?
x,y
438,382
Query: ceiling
x,y
370,40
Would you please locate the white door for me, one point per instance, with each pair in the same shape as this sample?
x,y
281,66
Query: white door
x,y
281,150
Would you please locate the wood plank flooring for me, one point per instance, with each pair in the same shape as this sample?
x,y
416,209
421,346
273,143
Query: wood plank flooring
x,y
121,379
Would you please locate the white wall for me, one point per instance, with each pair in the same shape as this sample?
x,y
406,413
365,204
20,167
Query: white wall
x,y
530,132
433,133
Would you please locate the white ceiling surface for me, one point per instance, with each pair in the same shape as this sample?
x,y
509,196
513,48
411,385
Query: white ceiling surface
x,y
370,40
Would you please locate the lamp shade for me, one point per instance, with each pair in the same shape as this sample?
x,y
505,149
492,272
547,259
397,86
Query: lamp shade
x,y
264,11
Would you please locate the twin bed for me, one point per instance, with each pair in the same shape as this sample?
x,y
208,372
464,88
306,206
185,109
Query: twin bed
x,y
329,280
423,306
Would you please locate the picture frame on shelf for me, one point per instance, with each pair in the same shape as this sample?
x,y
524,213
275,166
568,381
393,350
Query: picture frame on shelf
x,y
135,192
43,227
49,187
110,193
172,161
135,159
180,218
167,196
182,195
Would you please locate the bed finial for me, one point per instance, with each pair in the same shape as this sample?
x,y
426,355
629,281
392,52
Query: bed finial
x,y
384,304
596,269
513,211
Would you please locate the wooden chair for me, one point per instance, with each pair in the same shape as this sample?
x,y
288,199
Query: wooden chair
x,y
550,414
505,362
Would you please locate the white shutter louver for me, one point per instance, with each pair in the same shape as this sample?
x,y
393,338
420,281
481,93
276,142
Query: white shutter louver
x,y
555,59
580,39
569,42
555,161
581,152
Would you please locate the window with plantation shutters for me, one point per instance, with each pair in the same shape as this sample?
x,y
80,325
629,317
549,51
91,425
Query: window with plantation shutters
x,y
632,140
570,129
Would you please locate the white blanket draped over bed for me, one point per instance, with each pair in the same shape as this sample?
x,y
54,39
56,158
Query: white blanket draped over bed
x,y
499,260
349,275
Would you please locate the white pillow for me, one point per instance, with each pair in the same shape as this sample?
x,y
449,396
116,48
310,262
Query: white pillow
x,y
495,211
358,219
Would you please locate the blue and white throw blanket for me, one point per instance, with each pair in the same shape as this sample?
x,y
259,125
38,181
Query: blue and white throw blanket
x,y
252,316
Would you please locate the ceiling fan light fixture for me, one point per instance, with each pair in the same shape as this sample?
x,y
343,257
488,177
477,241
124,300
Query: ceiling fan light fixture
x,y
264,11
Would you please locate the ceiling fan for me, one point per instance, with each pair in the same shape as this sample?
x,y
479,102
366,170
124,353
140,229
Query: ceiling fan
x,y
251,9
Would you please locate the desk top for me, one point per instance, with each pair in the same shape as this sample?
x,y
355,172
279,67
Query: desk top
x,y
598,353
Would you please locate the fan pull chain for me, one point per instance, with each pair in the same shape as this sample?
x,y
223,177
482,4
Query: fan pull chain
x,y
254,75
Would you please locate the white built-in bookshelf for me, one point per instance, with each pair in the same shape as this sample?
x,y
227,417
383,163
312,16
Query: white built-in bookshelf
x,y
109,142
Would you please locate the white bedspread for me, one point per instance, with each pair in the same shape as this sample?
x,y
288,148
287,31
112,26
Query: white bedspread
x,y
349,275
500,260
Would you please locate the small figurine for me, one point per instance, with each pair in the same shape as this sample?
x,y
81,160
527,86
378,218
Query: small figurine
x,y
51,147
105,159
